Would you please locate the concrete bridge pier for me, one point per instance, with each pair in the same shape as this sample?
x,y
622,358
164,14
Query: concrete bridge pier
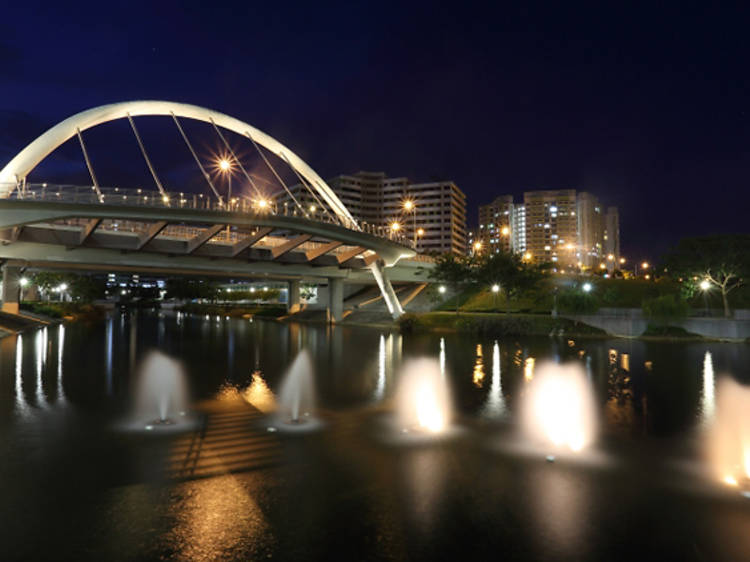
x,y
293,302
11,287
335,311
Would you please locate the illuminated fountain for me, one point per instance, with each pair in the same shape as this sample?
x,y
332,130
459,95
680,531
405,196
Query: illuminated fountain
x,y
558,408
729,436
296,401
161,391
423,404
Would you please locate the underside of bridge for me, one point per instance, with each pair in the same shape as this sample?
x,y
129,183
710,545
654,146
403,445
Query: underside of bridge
x,y
175,241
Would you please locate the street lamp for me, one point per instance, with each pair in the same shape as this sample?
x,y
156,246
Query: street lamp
x,y
411,207
477,247
705,285
395,226
495,291
527,256
23,281
441,289
505,231
587,287
226,168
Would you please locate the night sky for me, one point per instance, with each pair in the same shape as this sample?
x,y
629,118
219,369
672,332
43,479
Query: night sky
x,y
647,109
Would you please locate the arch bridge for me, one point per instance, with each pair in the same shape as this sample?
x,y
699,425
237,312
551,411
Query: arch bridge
x,y
94,227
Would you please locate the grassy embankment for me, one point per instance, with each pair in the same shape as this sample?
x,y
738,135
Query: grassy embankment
x,y
482,311
70,311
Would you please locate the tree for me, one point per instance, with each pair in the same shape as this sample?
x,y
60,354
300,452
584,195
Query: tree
x,y
506,270
722,259
454,271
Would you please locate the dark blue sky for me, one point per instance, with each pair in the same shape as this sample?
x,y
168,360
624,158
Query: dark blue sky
x,y
648,109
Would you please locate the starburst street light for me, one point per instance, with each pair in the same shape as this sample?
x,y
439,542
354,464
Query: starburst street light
x,y
395,226
505,231
225,166
705,285
408,205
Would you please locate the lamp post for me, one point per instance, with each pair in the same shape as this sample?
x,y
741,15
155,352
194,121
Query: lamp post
x,y
495,291
411,207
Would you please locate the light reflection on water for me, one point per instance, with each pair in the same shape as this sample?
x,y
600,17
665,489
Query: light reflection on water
x,y
41,362
21,404
495,404
708,397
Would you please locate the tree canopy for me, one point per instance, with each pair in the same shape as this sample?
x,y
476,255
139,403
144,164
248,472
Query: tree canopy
x,y
723,260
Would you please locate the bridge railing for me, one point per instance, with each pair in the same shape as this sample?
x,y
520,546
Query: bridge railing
x,y
179,200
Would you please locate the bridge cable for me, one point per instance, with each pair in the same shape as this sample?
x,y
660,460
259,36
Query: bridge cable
x,y
148,161
348,222
255,144
258,192
197,160
89,166
310,189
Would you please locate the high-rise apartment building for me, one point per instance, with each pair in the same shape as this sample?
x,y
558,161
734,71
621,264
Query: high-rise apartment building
x,y
496,224
436,212
566,228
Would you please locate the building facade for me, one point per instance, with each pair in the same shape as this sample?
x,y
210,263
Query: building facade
x,y
432,213
569,229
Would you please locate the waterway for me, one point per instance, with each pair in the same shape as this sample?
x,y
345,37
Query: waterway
x,y
75,485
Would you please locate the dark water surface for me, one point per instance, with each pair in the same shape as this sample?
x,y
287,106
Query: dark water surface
x,y
75,487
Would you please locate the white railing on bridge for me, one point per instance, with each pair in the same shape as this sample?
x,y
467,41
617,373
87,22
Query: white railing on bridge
x,y
180,200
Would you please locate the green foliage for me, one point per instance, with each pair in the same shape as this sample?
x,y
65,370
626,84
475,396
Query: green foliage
x,y
665,308
85,288
262,295
721,259
408,322
508,271
454,271
575,301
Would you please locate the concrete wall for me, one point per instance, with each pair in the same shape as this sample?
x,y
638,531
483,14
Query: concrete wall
x,y
630,322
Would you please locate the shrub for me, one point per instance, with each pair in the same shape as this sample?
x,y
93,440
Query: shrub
x,y
577,302
665,308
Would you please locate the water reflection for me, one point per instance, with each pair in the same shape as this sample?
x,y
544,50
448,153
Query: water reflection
x,y
108,342
216,518
41,362
259,395
442,357
560,504
61,398
708,397
528,368
478,377
21,405
495,404
380,383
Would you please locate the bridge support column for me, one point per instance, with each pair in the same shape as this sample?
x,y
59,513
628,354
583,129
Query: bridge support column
x,y
11,287
386,289
335,300
293,302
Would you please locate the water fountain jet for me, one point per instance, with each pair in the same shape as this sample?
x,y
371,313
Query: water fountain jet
x,y
423,402
161,390
296,402
728,439
558,408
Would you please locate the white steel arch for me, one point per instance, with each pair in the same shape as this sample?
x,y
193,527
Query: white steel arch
x,y
25,161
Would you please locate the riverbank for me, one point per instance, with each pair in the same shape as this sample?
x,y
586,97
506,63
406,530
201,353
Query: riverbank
x,y
497,324
234,310
52,312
